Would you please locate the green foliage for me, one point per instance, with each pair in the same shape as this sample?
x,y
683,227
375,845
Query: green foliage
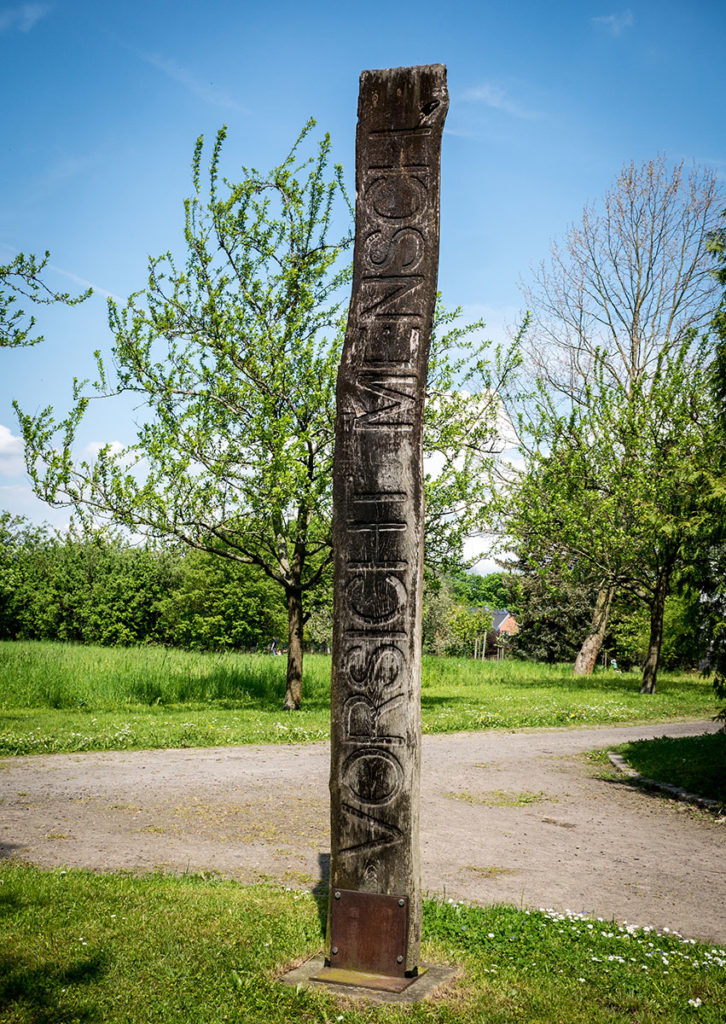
x,y
233,357
80,946
86,588
464,627
438,604
553,613
23,277
619,491
493,591
682,644
98,589
217,603
717,247
458,606
710,571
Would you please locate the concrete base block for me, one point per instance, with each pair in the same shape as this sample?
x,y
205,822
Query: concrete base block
x,y
422,987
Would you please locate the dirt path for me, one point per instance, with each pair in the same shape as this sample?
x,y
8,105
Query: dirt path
x,y
254,813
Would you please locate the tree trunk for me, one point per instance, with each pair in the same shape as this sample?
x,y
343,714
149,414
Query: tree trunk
x,y
587,656
293,692
650,665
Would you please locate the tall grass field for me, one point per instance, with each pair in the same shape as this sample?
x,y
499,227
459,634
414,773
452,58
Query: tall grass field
x,y
57,697
63,697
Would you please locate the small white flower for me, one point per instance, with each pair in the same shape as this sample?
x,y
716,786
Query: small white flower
x,y
695,1002
490,935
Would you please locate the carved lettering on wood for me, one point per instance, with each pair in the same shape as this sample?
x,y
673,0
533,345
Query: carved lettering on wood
x,y
378,490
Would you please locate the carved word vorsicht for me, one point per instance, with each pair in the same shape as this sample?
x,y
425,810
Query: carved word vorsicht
x,y
378,576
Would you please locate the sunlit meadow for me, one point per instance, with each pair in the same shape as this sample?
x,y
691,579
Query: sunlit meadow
x,y
63,697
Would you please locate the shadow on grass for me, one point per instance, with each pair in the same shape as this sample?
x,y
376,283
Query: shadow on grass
x,y
321,891
39,991
570,688
654,789
448,701
9,903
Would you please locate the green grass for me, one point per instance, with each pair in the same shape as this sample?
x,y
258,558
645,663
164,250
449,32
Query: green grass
x,y
500,798
79,947
63,697
695,763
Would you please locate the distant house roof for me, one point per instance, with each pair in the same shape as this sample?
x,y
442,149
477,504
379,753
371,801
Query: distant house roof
x,y
499,620
498,617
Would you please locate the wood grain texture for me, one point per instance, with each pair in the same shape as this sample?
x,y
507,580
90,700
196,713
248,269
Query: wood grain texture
x,y
378,490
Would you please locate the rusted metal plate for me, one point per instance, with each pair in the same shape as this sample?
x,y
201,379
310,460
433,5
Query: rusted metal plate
x,y
368,932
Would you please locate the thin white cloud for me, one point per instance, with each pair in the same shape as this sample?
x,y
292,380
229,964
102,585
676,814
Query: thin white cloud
x,y
462,134
84,283
206,91
23,18
495,97
614,24
66,168
93,448
130,460
12,462
21,501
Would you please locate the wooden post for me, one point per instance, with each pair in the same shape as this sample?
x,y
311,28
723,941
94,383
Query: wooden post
x,y
374,922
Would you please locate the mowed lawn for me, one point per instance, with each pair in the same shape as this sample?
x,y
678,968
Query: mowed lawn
x,y
129,950
64,697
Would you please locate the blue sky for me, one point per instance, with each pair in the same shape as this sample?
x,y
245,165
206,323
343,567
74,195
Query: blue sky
x,y
103,103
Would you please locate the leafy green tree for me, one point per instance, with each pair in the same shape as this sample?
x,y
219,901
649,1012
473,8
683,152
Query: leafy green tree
x,y
17,538
682,643
464,627
717,248
709,571
618,494
86,588
218,604
628,286
552,611
438,603
234,358
491,591
23,278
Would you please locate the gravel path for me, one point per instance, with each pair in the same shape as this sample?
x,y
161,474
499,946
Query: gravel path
x,y
583,843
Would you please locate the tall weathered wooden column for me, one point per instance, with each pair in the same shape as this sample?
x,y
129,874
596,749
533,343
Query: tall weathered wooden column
x,y
375,896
